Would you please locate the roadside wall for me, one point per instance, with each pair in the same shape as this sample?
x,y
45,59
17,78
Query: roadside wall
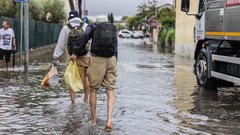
x,y
155,36
184,43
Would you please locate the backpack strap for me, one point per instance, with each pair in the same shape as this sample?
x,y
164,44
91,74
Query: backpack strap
x,y
70,26
81,25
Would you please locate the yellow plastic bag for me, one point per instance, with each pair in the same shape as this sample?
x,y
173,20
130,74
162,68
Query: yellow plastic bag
x,y
72,77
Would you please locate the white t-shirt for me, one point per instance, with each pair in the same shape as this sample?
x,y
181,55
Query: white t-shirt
x,y
6,38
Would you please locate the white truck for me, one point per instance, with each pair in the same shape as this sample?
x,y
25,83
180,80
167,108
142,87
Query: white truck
x,y
217,38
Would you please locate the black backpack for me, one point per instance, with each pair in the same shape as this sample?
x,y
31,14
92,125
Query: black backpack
x,y
74,35
104,40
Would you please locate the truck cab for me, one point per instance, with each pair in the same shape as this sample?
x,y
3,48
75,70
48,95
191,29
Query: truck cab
x,y
217,42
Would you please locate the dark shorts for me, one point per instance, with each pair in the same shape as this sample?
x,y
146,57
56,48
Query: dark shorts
x,y
5,54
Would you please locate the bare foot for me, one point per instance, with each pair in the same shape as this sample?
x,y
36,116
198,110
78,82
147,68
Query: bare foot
x,y
86,103
108,128
94,123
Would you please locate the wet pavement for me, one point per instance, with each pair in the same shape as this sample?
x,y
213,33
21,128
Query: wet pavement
x,y
156,94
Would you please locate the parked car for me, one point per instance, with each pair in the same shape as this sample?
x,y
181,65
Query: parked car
x,y
137,34
128,34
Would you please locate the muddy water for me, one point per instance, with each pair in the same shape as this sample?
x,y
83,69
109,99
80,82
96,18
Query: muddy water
x,y
156,94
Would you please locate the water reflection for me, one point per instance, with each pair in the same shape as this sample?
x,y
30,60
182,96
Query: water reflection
x,y
215,112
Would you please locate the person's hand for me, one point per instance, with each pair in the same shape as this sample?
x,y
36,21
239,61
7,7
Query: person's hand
x,y
55,62
14,47
73,57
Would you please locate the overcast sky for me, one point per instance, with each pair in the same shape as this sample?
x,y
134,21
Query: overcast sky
x,y
117,7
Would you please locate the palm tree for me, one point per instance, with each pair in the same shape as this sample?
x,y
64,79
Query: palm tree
x,y
71,4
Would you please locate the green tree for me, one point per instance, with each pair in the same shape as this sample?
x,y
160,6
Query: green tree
x,y
167,17
133,22
55,8
35,11
124,18
6,9
111,18
119,26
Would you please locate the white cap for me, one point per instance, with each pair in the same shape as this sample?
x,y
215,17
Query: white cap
x,y
101,19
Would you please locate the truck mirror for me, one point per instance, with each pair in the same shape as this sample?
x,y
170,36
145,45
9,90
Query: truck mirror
x,y
185,5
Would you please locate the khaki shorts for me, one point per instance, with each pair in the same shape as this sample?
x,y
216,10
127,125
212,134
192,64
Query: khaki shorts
x,y
83,64
102,71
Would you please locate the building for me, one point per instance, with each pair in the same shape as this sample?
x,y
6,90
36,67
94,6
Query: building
x,y
184,42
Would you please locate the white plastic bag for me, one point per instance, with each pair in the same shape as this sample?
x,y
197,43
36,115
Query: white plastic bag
x,y
51,79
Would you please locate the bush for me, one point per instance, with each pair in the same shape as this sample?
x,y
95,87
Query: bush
x,y
37,9
6,9
170,38
162,36
55,8
119,26
169,22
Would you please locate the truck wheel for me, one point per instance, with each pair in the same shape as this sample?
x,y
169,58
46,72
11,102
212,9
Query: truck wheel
x,y
201,71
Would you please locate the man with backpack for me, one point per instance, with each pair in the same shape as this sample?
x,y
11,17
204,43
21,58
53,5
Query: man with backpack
x,y
102,69
69,34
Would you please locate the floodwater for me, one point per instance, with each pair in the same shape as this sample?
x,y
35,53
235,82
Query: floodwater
x,y
156,94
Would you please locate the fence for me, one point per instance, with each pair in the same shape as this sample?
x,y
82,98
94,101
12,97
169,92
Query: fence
x,y
40,33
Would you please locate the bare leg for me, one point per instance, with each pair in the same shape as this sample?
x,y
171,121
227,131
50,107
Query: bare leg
x,y
1,62
110,105
72,96
93,105
7,63
86,91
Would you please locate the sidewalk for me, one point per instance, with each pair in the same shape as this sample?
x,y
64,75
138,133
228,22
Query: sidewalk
x,y
37,54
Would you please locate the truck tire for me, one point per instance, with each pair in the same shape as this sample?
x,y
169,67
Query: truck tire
x,y
201,71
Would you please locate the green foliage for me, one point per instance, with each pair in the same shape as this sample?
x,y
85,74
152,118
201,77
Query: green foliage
x,y
124,18
170,38
6,9
119,26
162,36
90,21
168,22
56,8
167,17
37,9
111,18
133,22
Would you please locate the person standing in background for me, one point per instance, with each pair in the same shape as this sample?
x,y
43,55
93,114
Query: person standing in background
x,y
7,43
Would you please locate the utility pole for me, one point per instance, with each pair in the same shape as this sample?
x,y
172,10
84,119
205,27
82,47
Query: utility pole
x,y
24,10
21,37
84,8
71,4
26,36
80,8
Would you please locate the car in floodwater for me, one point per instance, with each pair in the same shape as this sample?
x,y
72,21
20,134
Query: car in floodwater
x,y
129,34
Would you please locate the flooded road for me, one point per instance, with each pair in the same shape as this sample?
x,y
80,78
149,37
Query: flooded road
x,y
156,94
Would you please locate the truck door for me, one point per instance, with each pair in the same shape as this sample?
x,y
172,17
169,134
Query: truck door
x,y
232,19
215,19
199,28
